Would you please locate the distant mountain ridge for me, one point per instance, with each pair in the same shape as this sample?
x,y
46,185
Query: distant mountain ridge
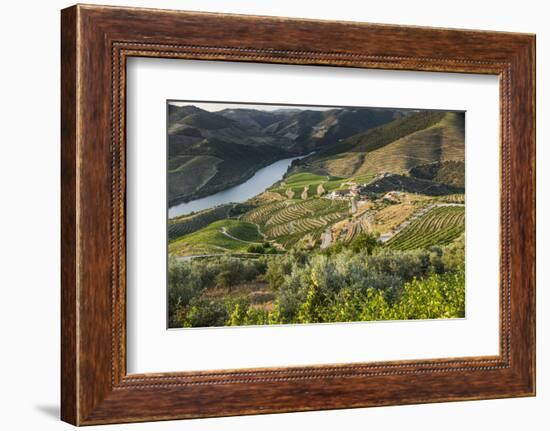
x,y
212,151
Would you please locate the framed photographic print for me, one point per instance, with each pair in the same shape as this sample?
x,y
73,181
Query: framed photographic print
x,y
267,215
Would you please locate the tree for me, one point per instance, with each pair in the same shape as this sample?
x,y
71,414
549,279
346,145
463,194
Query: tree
x,y
365,241
226,279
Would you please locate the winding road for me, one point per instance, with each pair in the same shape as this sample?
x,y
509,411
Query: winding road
x,y
223,230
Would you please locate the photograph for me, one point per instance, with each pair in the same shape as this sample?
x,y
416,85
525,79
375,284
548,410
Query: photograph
x,y
294,214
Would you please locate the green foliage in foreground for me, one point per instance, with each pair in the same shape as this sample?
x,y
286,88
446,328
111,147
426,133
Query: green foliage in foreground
x,y
344,287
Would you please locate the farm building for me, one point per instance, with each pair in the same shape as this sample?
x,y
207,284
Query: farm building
x,y
339,194
393,196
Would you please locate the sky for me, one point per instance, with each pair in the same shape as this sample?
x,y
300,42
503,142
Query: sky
x,y
218,106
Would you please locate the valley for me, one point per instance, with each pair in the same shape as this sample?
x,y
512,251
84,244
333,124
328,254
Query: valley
x,y
368,199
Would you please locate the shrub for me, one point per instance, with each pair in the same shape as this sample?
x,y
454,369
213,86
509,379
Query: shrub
x,y
364,241
276,271
184,284
226,279
259,249
453,255
243,314
309,288
205,312
437,296
239,314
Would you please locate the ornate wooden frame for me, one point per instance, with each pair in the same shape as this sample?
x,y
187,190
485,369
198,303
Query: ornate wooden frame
x,y
95,43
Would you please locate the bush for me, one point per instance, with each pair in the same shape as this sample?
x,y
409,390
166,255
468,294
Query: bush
x,y
185,283
453,255
259,249
310,288
204,312
364,241
438,296
226,279
243,314
276,271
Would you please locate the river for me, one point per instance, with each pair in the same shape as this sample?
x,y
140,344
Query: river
x,y
260,181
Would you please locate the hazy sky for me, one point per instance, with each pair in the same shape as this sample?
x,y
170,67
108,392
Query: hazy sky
x,y
218,106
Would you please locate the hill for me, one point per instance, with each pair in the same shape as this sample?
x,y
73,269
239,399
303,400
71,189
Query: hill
x,y
183,225
208,152
221,236
212,151
255,118
416,139
314,130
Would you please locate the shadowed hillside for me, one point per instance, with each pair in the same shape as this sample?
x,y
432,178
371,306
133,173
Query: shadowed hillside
x,y
411,185
450,172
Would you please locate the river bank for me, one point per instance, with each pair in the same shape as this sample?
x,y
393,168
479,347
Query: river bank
x,y
262,179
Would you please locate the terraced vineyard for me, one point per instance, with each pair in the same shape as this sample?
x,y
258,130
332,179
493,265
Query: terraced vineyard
x,y
263,213
438,227
302,225
357,227
289,221
298,210
457,198
312,236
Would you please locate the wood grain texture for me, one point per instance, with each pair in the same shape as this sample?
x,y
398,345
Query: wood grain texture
x,y
96,41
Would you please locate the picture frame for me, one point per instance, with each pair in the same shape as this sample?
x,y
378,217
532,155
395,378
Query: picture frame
x,y
96,42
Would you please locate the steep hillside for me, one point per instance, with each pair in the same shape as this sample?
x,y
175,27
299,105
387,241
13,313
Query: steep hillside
x,y
439,142
315,130
208,152
191,174
419,138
